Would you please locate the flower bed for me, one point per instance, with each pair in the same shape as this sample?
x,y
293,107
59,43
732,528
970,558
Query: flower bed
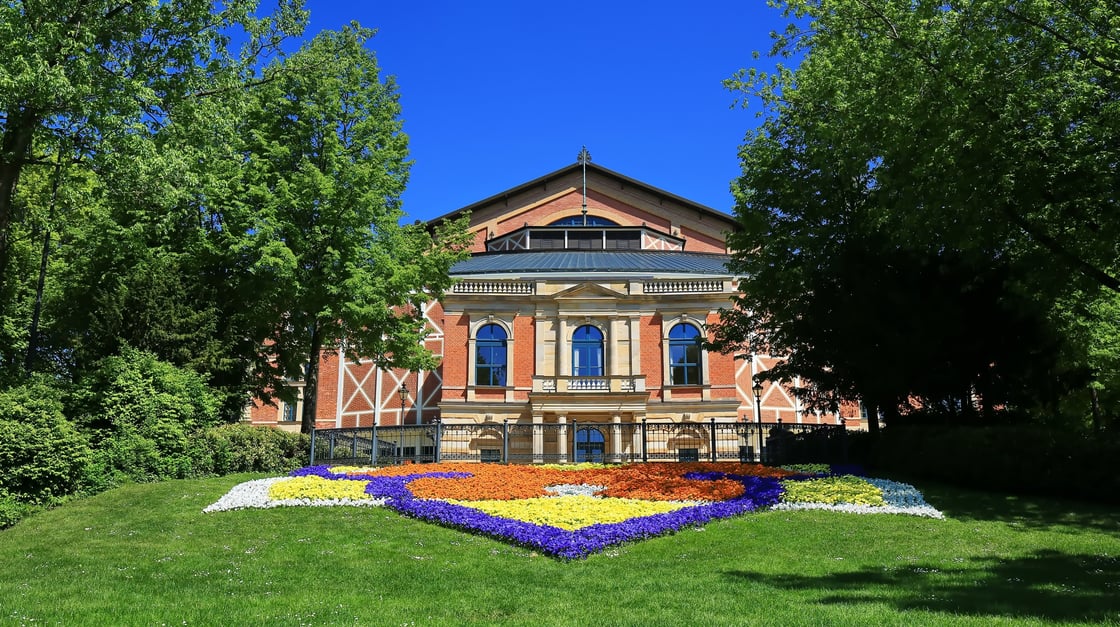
x,y
571,512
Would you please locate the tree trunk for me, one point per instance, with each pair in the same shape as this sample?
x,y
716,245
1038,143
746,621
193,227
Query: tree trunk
x,y
14,149
873,420
1095,400
33,330
311,381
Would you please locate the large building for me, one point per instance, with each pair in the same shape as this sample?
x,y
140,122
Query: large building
x,y
583,302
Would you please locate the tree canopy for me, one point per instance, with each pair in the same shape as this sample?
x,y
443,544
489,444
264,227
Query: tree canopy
x,y
232,209
977,138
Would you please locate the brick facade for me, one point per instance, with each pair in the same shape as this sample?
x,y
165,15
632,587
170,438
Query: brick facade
x,y
541,309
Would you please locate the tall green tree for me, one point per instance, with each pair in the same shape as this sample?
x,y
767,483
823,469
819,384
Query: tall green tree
x,y
991,125
103,77
326,163
978,131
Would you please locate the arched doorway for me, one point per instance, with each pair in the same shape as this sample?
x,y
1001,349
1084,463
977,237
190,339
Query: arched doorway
x,y
590,445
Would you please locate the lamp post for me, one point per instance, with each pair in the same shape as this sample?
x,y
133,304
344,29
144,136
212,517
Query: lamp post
x,y
757,389
403,393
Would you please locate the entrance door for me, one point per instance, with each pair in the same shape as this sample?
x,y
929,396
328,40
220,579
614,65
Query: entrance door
x,y
590,445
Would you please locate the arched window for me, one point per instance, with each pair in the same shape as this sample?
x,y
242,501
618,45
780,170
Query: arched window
x,y
587,352
589,445
490,355
684,355
578,221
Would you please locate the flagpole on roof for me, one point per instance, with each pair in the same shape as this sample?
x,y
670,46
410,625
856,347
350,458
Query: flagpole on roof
x,y
582,158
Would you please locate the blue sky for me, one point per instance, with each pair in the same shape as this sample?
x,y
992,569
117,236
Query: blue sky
x,y
495,94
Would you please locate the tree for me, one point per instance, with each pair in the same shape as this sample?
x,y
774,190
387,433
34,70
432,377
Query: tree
x,y
95,75
325,164
990,126
972,134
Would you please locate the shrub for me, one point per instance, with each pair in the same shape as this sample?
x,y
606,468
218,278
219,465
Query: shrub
x,y
244,448
1021,459
145,416
42,454
135,390
12,510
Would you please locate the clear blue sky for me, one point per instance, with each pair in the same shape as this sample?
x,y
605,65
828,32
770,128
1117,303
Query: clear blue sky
x,y
495,94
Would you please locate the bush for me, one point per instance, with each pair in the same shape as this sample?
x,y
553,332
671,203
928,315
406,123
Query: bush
x,y
1020,459
244,448
12,510
136,390
42,454
146,417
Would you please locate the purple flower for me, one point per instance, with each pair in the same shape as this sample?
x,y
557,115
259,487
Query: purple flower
x,y
758,492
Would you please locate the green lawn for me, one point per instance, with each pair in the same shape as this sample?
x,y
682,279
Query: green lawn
x,y
146,555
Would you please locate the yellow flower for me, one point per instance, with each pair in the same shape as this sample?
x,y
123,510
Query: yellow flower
x,y
573,512
317,489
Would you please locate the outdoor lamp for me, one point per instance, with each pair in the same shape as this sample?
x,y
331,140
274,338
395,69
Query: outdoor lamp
x,y
403,392
757,389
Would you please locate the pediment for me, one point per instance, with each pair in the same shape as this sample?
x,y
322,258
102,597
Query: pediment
x,y
588,291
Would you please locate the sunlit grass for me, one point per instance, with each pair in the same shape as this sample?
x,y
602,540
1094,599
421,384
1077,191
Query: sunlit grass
x,y
146,554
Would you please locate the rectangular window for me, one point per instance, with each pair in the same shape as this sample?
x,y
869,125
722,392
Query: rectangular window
x,y
289,413
585,241
688,454
491,366
624,240
491,455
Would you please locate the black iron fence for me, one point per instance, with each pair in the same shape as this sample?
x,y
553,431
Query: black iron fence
x,y
527,443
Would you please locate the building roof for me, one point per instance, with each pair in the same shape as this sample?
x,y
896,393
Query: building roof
x,y
591,167
593,261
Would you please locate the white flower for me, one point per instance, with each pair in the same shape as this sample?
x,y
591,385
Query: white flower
x,y
255,494
919,510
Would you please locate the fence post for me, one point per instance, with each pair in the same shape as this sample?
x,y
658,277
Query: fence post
x,y
505,441
645,449
311,462
761,444
330,447
439,438
373,449
713,438
575,441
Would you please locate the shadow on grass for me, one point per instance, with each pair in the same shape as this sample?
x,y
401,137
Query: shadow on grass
x,y
1023,512
1049,585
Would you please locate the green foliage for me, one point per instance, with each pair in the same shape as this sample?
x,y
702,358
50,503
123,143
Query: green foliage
x,y
12,510
144,415
136,391
90,85
1020,459
934,184
809,469
42,454
833,491
330,263
243,448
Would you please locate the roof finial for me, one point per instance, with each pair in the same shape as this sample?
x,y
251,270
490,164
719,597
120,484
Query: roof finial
x,y
582,158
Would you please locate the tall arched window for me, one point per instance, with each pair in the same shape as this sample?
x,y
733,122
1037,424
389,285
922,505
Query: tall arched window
x,y
684,355
587,352
490,355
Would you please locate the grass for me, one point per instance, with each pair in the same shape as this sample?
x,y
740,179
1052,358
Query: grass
x,y
146,555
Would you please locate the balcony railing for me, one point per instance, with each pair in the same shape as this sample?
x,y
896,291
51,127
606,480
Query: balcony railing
x,y
682,287
594,385
493,287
